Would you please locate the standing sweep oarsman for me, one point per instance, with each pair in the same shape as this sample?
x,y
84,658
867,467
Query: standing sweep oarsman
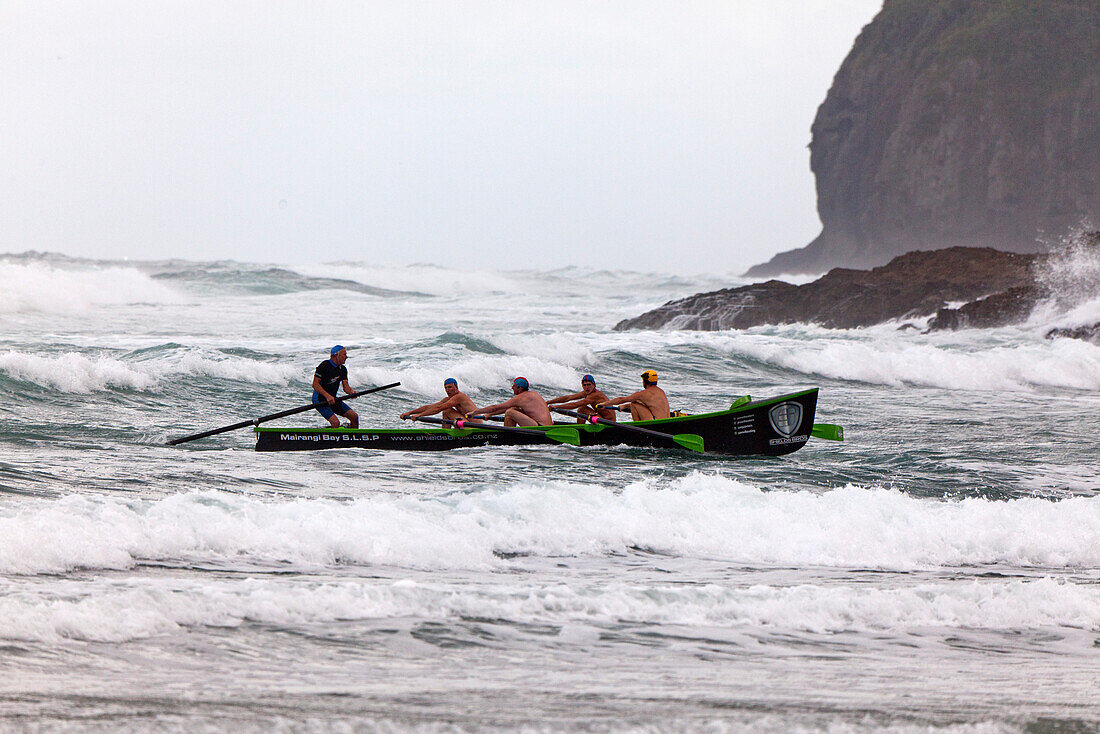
x,y
649,403
525,408
328,378
454,407
585,401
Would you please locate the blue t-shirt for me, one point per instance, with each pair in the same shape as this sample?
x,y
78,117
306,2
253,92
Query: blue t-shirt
x,y
332,376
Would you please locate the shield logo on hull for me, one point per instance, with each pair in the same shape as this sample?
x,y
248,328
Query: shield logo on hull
x,y
786,418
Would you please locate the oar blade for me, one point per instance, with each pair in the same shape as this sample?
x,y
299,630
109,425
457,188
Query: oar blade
x,y
828,431
690,441
570,436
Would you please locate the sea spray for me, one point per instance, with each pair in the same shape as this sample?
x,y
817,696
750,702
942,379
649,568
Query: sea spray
x,y
1070,278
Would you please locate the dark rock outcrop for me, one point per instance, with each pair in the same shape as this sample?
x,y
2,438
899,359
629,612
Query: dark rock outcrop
x,y
1088,333
994,288
954,122
999,309
914,285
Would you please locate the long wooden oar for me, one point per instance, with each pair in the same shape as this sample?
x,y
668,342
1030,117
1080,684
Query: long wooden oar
x,y
690,441
273,416
500,419
561,435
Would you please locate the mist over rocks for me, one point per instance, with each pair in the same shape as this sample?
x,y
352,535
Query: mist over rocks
x,y
956,123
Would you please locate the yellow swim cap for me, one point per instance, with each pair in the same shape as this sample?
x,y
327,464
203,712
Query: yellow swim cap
x,y
649,376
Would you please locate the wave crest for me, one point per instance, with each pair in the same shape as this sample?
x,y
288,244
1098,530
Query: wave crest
x,y
41,287
702,515
72,372
159,607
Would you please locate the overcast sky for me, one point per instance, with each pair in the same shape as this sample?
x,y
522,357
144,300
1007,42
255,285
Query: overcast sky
x,y
666,136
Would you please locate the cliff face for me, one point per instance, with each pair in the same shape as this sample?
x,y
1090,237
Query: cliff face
x,y
954,122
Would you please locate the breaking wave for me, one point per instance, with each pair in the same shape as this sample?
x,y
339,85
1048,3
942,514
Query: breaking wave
x,y
701,516
1064,363
43,288
426,279
235,277
1007,359
72,372
159,607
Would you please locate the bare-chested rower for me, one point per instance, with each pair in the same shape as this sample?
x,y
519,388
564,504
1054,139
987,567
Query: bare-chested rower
x,y
525,408
454,407
649,403
585,401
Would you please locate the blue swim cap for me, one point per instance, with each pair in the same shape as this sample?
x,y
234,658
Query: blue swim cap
x,y
450,381
521,383
335,350
588,378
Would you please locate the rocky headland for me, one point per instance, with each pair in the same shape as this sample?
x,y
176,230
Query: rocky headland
x,y
958,287
956,123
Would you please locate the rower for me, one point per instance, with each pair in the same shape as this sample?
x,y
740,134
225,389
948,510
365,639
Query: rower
x,y
454,407
585,401
327,379
525,408
649,403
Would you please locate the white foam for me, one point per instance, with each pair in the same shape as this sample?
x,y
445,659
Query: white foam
x,y
561,347
73,372
707,516
1071,280
228,368
1060,363
76,373
792,278
37,287
150,606
1072,274
1050,314
1002,360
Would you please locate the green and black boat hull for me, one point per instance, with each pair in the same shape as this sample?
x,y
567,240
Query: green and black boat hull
x,y
771,427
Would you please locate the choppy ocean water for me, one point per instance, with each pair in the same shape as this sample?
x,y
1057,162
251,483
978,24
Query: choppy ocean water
x,y
938,571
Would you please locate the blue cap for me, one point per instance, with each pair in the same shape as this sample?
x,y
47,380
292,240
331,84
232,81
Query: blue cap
x,y
451,381
335,350
521,383
588,378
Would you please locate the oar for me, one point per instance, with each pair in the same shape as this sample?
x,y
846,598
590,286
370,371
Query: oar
x,y
691,441
273,416
828,431
500,419
561,435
